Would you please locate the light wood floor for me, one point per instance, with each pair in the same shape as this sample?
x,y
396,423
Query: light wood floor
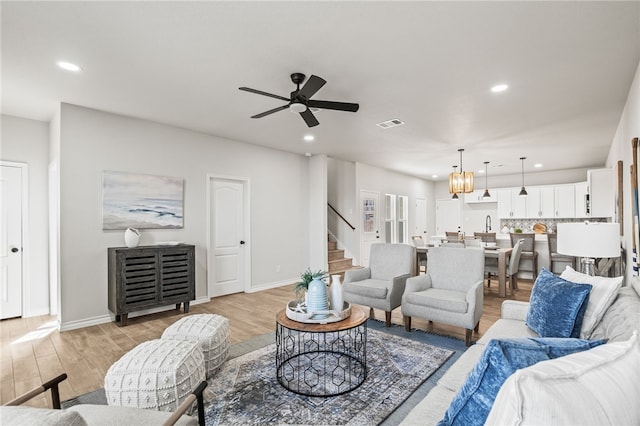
x,y
33,351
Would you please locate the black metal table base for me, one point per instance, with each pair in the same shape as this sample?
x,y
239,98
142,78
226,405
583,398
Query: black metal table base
x,y
321,363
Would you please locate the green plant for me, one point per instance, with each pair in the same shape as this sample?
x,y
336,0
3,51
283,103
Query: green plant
x,y
307,276
518,231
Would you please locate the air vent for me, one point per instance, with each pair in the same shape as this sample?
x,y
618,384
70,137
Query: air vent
x,y
391,123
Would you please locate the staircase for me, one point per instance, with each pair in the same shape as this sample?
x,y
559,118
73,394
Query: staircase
x,y
338,264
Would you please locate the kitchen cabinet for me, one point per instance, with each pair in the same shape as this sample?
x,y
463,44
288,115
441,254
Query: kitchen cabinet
x,y
510,204
540,202
477,197
601,192
564,201
582,199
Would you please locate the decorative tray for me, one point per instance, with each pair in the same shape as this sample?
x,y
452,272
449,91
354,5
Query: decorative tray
x,y
298,312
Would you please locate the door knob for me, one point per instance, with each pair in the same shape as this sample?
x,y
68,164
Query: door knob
x,y
14,249
241,242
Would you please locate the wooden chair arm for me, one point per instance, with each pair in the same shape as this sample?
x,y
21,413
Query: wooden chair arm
x,y
196,395
51,384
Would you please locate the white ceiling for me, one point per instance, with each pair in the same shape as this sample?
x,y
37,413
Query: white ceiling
x,y
569,66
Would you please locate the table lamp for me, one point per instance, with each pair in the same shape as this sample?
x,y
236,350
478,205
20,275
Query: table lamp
x,y
589,240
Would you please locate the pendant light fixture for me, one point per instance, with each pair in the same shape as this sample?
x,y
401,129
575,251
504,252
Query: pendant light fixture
x,y
523,192
455,194
486,179
460,183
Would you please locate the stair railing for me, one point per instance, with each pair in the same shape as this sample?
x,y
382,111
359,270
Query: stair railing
x,y
353,228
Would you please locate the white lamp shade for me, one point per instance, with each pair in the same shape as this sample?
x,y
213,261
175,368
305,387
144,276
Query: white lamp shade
x,y
589,239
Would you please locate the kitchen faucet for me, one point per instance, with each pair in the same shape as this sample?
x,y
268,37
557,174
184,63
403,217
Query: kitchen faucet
x,y
487,224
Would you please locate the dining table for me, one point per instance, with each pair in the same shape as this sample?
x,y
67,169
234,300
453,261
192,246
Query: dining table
x,y
501,253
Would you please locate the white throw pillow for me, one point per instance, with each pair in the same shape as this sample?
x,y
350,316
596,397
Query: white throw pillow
x,y
600,386
602,295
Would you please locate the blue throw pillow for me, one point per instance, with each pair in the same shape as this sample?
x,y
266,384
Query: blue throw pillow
x,y
500,359
557,306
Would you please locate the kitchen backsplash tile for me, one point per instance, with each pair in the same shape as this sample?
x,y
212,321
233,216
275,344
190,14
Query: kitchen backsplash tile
x,y
527,224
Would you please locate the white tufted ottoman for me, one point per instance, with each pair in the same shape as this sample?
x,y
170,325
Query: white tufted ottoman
x,y
210,331
156,375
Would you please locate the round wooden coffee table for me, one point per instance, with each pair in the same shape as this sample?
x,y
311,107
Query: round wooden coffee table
x,y
321,359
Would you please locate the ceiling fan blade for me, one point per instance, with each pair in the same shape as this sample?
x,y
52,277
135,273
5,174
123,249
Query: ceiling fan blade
x,y
311,87
260,92
339,106
271,111
309,118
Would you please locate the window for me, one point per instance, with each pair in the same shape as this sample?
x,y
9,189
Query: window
x,y
390,218
403,219
396,220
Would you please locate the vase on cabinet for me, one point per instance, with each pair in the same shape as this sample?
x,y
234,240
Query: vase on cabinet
x,y
131,237
317,298
337,301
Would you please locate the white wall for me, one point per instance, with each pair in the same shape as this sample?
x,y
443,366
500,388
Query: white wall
x,y
628,128
93,141
318,256
27,141
341,182
386,182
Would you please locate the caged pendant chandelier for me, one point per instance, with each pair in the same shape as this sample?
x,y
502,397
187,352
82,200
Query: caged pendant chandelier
x,y
523,192
460,183
486,179
455,194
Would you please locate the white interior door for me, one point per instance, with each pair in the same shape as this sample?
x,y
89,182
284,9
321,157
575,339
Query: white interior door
x,y
228,248
421,219
448,216
370,223
10,241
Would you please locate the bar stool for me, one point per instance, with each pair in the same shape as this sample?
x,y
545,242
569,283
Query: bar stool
x,y
528,252
555,257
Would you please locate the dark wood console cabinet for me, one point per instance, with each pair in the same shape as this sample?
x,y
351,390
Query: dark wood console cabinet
x,y
150,276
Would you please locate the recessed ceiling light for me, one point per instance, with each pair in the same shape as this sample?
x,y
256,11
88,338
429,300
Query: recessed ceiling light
x,y
499,88
537,165
480,171
434,176
307,154
69,66
309,138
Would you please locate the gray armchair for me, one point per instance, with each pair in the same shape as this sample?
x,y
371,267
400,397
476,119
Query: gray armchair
x,y
451,291
381,285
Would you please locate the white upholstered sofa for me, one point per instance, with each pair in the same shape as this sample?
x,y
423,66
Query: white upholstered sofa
x,y
529,392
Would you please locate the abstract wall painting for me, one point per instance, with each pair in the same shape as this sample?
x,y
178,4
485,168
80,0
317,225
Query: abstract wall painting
x,y
141,201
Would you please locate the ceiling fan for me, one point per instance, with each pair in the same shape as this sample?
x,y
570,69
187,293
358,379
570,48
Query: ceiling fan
x,y
299,99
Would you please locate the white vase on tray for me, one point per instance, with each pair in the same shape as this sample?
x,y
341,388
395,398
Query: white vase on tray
x,y
337,301
317,298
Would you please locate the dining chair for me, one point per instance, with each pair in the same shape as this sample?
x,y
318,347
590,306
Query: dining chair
x,y
489,262
472,242
529,255
452,236
512,268
555,257
486,237
455,244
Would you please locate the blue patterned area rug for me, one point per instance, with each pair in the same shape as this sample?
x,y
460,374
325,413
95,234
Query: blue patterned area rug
x,y
245,391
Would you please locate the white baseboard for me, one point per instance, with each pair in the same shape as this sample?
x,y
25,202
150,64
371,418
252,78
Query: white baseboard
x,y
36,313
273,285
103,319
